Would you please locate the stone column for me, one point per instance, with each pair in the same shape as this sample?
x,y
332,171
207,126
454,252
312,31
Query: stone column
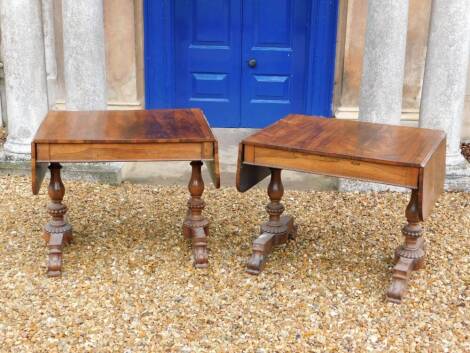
x,y
383,73
445,73
85,74
49,47
84,55
384,61
25,73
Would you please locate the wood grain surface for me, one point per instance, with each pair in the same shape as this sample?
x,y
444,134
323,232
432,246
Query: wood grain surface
x,y
403,156
123,136
357,140
136,126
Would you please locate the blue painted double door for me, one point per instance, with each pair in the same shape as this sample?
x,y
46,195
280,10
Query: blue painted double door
x,y
244,62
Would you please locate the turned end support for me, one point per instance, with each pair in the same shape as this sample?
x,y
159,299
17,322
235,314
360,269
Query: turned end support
x,y
199,242
195,225
57,233
411,255
277,230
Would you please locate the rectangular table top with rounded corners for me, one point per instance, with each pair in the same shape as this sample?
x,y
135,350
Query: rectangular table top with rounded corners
x,y
397,155
387,144
120,136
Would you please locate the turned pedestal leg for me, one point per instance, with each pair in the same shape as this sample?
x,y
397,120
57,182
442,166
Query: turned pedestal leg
x,y
277,230
195,226
410,255
57,232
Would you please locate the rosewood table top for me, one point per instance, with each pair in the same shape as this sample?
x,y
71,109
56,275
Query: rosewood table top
x,y
396,155
128,126
131,135
386,144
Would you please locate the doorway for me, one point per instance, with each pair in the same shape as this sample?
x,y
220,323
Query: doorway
x,y
246,63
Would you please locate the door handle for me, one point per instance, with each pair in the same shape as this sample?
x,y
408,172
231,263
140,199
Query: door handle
x,y
252,63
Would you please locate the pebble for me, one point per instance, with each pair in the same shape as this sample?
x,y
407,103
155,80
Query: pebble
x,y
129,285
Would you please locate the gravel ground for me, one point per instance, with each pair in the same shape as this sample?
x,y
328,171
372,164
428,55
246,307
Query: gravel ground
x,y
128,283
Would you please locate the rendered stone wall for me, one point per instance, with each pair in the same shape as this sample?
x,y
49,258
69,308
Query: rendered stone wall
x,y
415,52
418,25
122,60
119,25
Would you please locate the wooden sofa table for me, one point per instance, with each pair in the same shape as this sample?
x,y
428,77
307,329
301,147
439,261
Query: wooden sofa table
x,y
409,157
110,136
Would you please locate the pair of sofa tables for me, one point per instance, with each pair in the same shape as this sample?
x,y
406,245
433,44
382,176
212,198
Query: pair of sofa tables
x,y
403,156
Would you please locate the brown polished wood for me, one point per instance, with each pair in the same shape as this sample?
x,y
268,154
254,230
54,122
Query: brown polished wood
x,y
277,230
410,255
57,232
395,155
130,135
387,144
127,126
195,225
141,135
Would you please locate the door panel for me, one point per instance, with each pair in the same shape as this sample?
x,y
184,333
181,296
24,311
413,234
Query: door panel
x,y
207,39
275,34
195,56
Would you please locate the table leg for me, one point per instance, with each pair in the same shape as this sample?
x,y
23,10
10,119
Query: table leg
x,y
277,230
195,225
409,256
57,232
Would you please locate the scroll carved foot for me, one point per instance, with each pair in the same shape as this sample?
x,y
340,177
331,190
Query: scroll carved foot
x,y
401,273
410,256
200,254
269,238
55,243
262,246
407,259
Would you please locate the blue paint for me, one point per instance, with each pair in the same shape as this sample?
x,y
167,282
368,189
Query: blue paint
x,y
158,53
207,58
275,33
321,73
193,58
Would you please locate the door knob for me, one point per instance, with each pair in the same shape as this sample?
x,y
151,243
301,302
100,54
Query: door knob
x,y
252,63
